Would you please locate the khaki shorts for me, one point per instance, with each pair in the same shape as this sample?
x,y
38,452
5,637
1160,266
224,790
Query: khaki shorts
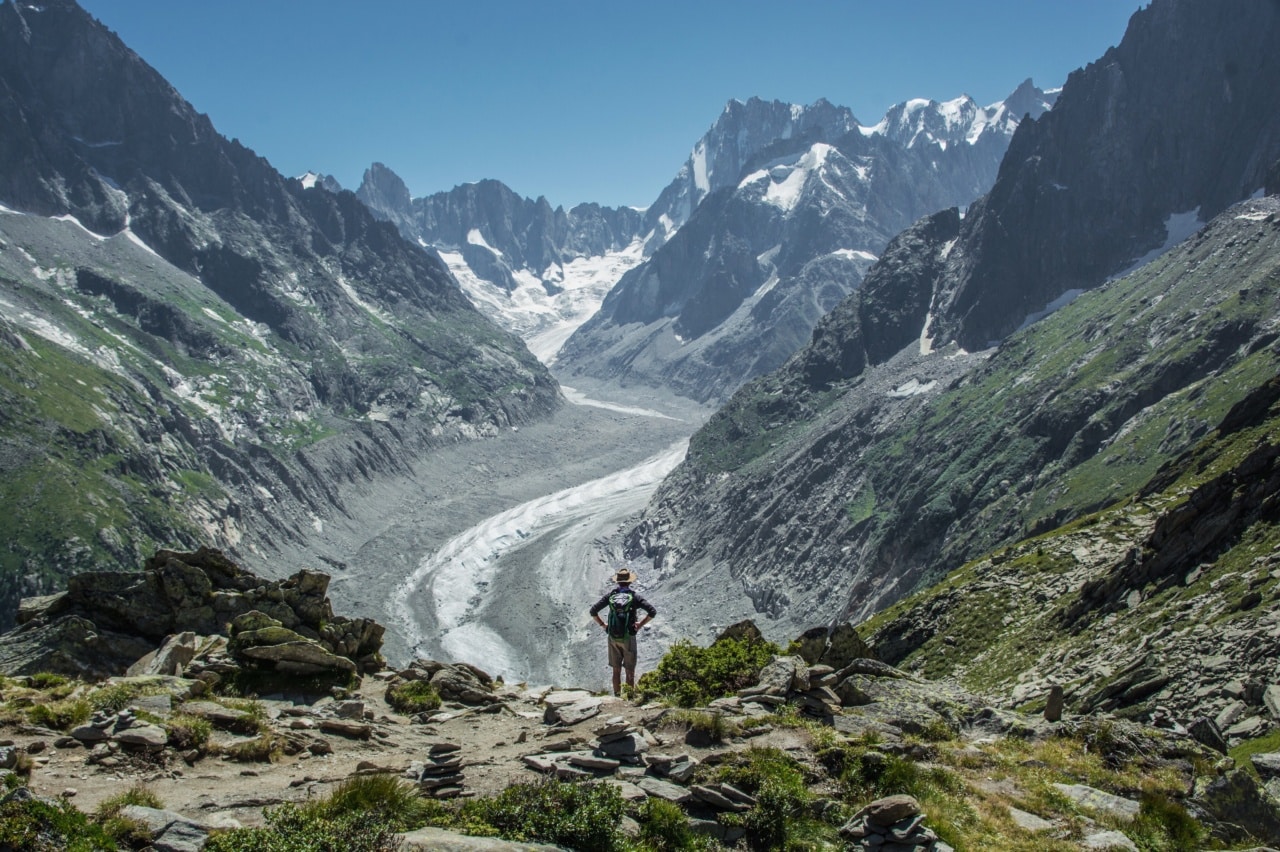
x,y
622,652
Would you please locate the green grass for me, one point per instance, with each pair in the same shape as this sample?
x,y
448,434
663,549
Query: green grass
x,y
413,696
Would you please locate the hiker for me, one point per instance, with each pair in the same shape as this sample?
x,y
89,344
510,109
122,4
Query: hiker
x,y
623,603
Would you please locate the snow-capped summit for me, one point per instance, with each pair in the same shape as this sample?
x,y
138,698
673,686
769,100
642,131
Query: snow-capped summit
x,y
961,120
741,133
311,179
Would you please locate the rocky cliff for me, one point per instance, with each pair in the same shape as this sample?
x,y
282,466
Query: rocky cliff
x,y
193,345
782,234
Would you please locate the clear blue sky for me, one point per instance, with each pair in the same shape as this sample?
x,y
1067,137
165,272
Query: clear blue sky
x,y
576,100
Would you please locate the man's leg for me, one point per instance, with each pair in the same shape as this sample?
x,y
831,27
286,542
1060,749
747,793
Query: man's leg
x,y
617,679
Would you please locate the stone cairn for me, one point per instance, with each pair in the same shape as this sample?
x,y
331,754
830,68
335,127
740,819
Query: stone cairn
x,y
440,776
892,824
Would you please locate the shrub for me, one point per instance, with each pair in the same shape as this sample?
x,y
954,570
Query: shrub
x,y
61,715
188,732
265,748
34,824
293,829
413,696
47,680
782,797
689,676
577,816
391,800
665,827
1164,824
139,794
710,727
114,697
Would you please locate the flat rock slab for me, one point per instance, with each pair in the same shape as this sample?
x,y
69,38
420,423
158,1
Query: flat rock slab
x,y
1097,800
665,790
1108,840
565,697
579,711
1030,821
227,718
342,727
439,840
143,736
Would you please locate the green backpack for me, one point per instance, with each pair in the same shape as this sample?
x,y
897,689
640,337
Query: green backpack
x,y
622,614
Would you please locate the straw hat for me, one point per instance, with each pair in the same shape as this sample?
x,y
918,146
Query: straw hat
x,y
624,575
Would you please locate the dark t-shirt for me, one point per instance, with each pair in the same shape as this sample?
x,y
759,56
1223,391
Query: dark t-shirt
x,y
638,603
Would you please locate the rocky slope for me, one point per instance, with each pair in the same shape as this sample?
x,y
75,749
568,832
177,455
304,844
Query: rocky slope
x,y
193,347
884,454
782,234
820,742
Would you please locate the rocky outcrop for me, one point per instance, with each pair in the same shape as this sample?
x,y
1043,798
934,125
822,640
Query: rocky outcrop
x,y
281,625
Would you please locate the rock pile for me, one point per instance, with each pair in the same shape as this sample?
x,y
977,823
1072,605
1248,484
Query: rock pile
x,y
892,824
108,621
440,776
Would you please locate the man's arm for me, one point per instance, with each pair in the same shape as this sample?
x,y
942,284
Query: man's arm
x,y
649,609
595,611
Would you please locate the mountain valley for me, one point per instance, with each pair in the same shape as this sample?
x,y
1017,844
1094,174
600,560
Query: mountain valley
x,y
966,422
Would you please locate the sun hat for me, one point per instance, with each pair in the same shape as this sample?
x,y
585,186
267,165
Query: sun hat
x,y
624,575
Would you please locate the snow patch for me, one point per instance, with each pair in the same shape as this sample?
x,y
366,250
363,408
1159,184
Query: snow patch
x,y
67,217
137,241
926,339
309,180
855,254
577,397
1177,227
477,239
701,181
787,176
914,387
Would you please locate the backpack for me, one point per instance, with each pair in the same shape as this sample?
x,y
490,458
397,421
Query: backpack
x,y
622,607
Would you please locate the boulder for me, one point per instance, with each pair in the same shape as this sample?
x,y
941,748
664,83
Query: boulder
x,y
1097,800
1235,807
170,831
889,810
460,683
1267,765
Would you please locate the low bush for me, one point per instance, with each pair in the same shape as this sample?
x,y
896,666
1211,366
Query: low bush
x,y
265,748
1163,824
413,696
114,697
391,800
782,810
689,676
576,816
291,828
188,732
664,826
47,680
34,824
60,715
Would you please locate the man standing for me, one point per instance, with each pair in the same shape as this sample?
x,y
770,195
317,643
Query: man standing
x,y
623,603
